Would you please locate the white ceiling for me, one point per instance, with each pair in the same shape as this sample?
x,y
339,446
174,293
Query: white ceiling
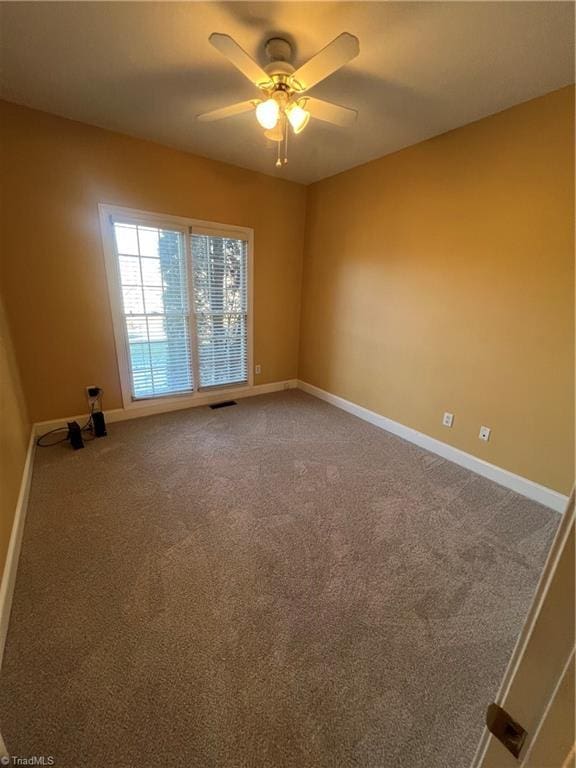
x,y
147,69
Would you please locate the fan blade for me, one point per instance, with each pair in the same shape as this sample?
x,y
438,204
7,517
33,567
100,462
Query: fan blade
x,y
331,113
229,111
238,56
340,51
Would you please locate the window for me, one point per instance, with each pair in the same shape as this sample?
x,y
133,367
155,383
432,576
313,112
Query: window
x,y
180,295
152,266
220,305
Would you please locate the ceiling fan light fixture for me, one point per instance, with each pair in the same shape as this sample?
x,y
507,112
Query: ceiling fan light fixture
x,y
276,133
267,113
283,89
298,117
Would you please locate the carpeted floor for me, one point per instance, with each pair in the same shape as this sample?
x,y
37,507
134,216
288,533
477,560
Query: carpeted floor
x,y
276,584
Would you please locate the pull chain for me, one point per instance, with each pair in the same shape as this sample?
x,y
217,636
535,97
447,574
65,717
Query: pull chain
x,y
283,139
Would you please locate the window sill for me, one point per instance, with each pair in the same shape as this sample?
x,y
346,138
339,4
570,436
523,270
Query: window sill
x,y
175,402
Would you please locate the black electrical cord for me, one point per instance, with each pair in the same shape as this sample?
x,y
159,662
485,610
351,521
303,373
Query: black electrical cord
x,y
40,444
86,428
88,424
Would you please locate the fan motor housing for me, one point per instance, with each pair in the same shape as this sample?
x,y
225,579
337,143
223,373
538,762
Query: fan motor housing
x,y
279,71
279,51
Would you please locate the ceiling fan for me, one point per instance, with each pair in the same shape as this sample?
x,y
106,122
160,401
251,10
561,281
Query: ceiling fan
x,y
283,90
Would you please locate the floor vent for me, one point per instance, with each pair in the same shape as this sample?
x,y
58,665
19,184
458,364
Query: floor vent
x,y
224,404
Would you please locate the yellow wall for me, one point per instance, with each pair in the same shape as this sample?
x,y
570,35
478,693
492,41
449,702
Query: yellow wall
x,y
438,278
14,435
441,278
54,174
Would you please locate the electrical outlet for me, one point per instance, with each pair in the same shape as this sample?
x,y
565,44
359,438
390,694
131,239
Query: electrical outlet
x,y
93,393
448,419
484,434
257,370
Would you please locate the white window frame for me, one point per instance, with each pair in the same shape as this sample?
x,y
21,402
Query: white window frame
x,y
107,214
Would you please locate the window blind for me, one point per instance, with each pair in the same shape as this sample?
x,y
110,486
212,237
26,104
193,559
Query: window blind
x,y
219,267
184,305
153,282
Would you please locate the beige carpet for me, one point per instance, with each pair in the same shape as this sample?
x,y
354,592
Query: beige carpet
x,y
276,584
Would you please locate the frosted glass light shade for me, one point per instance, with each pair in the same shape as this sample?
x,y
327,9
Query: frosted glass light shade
x,y
298,118
267,113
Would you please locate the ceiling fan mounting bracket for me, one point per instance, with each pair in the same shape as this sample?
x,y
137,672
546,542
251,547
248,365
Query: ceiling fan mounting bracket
x,y
278,49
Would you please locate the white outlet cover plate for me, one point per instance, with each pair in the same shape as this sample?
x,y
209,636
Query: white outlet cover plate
x,y
92,399
484,433
448,419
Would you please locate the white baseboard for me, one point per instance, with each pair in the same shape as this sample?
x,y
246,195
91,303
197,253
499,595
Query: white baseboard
x,y
151,407
14,545
521,485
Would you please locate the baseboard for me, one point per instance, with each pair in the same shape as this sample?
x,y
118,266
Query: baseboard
x,y
14,545
541,494
152,407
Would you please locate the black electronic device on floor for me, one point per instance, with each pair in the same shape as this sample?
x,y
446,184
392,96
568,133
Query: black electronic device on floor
x,y
75,435
99,424
72,432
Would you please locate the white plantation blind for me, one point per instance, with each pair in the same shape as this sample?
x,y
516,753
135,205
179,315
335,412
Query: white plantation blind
x,y
154,287
219,265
